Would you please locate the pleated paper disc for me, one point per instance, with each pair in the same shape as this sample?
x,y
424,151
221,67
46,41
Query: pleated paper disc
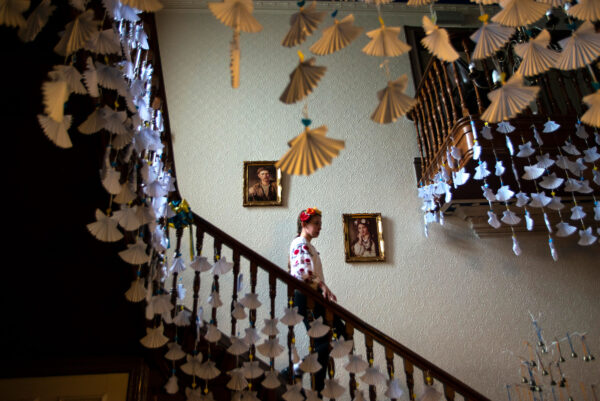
x,y
337,36
485,2
554,3
418,3
592,116
537,58
236,14
518,13
303,24
378,2
437,41
586,10
393,103
309,151
509,100
490,38
580,49
385,43
302,81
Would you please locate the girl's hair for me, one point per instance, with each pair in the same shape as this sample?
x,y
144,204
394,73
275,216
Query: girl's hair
x,y
310,212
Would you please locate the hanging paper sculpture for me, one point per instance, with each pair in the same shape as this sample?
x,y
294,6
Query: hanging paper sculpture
x,y
437,41
393,103
303,80
154,337
77,33
332,389
378,2
509,100
148,6
489,38
592,115
585,10
537,58
309,151
579,49
336,36
419,3
384,42
303,24
236,14
516,13
36,20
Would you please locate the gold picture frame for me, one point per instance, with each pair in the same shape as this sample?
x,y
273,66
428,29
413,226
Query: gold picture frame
x,y
363,237
268,194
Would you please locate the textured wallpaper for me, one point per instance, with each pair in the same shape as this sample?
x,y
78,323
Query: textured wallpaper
x,y
459,301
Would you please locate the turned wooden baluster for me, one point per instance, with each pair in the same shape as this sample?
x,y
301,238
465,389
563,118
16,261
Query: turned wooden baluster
x,y
449,91
434,132
565,94
352,381
410,380
437,121
291,340
272,294
370,359
310,305
435,96
178,235
215,286
548,89
199,241
427,128
488,74
448,392
421,140
463,105
447,115
328,320
234,297
477,95
252,312
389,362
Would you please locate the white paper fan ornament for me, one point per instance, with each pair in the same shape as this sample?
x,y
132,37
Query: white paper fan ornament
x,y
252,370
90,77
110,182
161,304
430,394
460,177
104,42
222,266
56,131
105,228
332,389
127,195
525,150
509,217
119,12
592,115
551,181
505,127
537,58
384,42
178,265
532,172
489,38
544,161
591,154
11,12
200,264
579,49
585,10
393,103
214,300
250,301
70,75
317,328
293,392
373,376
154,337
135,254
175,352
509,100
437,41
395,389
137,291
493,220
36,20
291,317
128,218
539,200
182,318
251,336
237,382
481,171
310,364
586,237
237,347
270,328
341,348
238,311
522,199
149,6
271,380
356,364
597,211
504,193
172,387
270,348
555,203
584,187
564,229
77,33
517,13
208,370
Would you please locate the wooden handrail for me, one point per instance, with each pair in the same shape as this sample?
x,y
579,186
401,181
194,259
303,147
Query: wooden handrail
x,y
274,271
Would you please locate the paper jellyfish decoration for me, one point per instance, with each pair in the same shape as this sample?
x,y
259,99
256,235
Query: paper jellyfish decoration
x,y
154,337
148,6
137,291
56,131
516,13
212,334
592,115
309,151
310,364
536,57
313,395
579,49
270,328
303,80
317,328
208,370
384,42
135,254
378,2
341,348
393,103
585,10
271,380
419,3
332,389
200,264
175,352
394,389
356,364
251,336
291,317
293,392
437,41
303,24
250,301
489,38
337,36
373,376
509,100
192,365
238,382
236,14
77,33
105,228
430,394
222,266
251,370
270,348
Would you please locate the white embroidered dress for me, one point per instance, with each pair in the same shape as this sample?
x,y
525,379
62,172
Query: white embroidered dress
x,y
305,263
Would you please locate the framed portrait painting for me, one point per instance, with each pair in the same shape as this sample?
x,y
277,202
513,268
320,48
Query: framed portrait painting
x,y
363,237
262,184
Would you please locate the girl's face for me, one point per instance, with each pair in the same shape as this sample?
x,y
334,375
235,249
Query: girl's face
x,y
313,227
363,231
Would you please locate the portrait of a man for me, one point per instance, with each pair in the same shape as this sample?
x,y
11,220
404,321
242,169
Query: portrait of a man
x,y
262,184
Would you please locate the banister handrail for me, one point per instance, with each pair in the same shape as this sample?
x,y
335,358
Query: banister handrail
x,y
225,239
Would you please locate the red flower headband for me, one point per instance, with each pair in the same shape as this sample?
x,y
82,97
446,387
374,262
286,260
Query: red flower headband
x,y
308,213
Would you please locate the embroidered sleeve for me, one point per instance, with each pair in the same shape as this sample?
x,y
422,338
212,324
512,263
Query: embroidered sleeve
x,y
301,264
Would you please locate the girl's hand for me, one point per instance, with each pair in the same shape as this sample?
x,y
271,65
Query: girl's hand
x,y
327,294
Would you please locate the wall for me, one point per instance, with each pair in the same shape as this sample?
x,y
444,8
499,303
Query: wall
x,y
459,301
